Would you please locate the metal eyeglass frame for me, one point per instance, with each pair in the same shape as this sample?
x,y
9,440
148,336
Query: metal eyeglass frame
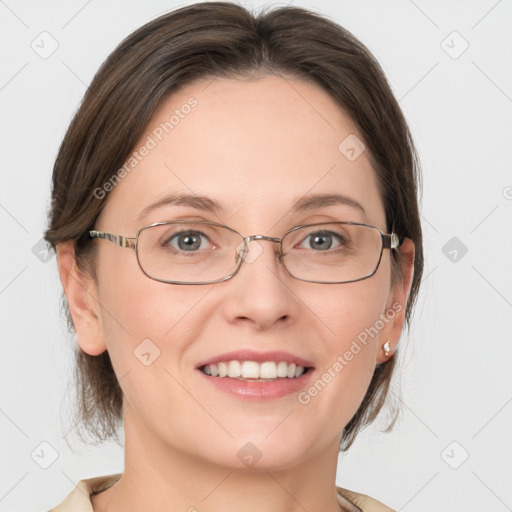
x,y
389,241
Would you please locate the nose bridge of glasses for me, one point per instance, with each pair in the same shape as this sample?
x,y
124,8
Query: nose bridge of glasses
x,y
262,237
243,249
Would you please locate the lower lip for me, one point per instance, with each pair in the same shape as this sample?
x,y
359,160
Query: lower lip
x,y
260,391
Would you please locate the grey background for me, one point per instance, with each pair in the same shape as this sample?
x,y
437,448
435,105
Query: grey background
x,y
452,448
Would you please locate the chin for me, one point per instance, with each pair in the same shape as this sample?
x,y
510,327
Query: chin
x,y
254,453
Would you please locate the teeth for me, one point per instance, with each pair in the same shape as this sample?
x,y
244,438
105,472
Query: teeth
x,y
234,369
250,370
268,370
223,369
253,370
282,369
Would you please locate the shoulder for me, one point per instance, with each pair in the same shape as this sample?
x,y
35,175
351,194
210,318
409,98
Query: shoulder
x,y
363,502
79,499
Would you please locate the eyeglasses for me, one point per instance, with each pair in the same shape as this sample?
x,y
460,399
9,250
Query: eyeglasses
x,y
201,252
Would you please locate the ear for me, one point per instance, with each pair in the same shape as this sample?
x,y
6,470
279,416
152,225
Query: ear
x,y
394,316
81,294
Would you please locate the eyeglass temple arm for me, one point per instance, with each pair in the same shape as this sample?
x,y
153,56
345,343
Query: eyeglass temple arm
x,y
118,240
392,241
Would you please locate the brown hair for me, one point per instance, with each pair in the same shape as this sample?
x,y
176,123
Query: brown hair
x,y
221,39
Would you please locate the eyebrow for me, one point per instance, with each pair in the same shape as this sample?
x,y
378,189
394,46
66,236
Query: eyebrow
x,y
194,201
314,201
207,204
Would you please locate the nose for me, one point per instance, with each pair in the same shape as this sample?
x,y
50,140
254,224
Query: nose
x,y
260,294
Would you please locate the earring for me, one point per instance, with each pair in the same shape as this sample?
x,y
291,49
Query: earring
x,y
386,348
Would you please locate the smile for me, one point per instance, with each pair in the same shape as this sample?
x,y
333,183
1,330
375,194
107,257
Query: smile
x,y
254,371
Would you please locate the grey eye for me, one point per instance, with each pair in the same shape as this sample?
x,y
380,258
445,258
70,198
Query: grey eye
x,y
321,240
188,241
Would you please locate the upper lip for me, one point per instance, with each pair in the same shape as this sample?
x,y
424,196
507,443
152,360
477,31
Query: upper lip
x,y
259,357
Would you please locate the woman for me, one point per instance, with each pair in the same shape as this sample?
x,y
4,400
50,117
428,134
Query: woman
x,y
235,218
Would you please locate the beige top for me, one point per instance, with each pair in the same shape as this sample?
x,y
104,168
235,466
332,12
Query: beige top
x,y
79,500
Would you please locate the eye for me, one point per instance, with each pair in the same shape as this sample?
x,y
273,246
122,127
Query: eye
x,y
322,241
188,241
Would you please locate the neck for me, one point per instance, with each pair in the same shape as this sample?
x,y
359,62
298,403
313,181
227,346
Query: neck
x,y
159,477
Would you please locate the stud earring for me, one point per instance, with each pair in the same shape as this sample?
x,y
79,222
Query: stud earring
x,y
386,348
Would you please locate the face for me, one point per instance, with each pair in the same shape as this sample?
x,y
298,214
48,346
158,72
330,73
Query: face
x,y
255,148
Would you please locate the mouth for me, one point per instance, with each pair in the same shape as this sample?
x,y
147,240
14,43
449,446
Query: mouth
x,y
253,371
250,375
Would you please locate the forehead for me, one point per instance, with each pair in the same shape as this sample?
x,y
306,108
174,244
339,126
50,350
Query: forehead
x,y
256,147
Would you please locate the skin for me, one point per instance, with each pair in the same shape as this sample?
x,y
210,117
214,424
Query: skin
x,y
256,146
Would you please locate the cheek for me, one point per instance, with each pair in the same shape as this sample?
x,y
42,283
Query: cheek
x,y
149,327
351,316
350,311
141,315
